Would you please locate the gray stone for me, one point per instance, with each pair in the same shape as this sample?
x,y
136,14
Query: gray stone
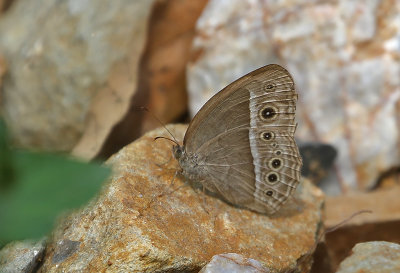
x,y
233,263
21,256
371,257
60,56
64,249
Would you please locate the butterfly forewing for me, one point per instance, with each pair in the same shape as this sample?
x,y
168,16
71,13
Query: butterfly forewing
x,y
242,141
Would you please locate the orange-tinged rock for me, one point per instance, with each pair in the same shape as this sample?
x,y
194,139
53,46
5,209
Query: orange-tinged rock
x,y
147,219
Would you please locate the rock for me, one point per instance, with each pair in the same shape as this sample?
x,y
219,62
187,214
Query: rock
x,y
371,257
64,57
147,219
64,249
233,263
21,256
344,57
162,77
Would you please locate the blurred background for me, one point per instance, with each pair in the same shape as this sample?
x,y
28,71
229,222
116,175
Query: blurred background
x,y
75,74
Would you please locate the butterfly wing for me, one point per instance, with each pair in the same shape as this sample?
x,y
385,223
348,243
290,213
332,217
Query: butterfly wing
x,y
242,141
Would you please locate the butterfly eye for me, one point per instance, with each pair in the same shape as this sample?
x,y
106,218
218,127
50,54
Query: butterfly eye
x,y
278,152
177,152
268,113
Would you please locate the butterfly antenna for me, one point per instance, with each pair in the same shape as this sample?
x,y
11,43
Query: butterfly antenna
x,y
163,125
167,139
335,227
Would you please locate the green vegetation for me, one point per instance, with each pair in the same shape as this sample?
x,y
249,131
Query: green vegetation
x,y
35,188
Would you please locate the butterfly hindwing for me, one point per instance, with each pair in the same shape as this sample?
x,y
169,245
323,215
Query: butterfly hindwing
x,y
243,141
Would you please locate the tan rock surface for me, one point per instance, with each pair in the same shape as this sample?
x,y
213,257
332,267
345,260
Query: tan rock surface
x,y
146,220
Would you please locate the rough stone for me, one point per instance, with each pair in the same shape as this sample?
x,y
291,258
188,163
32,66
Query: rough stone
x,y
344,57
62,56
162,76
371,257
147,219
21,256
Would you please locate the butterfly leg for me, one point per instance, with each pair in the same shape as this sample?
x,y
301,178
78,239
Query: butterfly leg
x,y
204,203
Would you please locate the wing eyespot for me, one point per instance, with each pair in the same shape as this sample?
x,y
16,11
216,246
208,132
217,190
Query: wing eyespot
x,y
269,86
271,178
268,113
267,136
275,164
269,192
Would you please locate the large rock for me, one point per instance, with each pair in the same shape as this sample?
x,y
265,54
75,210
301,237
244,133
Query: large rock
x,y
344,57
62,57
161,82
147,219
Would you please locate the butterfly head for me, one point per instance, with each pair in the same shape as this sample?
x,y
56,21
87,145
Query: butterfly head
x,y
178,151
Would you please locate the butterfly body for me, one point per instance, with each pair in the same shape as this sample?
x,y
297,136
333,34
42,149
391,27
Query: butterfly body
x,y
241,145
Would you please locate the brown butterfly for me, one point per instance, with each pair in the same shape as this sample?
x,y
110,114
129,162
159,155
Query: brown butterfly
x,y
241,146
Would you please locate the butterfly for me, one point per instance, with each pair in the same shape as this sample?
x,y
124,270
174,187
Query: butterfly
x,y
241,145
